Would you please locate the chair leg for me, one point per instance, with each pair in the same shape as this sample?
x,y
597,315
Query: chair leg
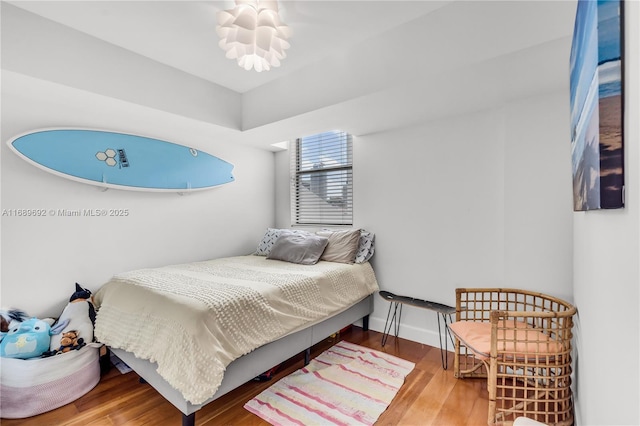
x,y
444,353
492,383
456,359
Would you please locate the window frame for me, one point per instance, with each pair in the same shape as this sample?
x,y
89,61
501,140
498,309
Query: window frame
x,y
305,209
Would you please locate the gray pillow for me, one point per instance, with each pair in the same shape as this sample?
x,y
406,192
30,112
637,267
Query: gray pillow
x,y
298,248
342,246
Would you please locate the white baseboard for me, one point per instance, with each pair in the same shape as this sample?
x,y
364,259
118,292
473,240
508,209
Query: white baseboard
x,y
415,334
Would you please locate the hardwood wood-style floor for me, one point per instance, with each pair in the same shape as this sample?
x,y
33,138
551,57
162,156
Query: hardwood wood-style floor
x,y
430,395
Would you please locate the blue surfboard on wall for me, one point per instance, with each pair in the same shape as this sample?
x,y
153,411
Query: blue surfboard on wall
x,y
122,161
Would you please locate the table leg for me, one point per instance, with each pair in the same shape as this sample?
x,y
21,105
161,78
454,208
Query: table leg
x,y
395,320
444,354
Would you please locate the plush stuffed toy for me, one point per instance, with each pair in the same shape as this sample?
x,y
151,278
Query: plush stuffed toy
x,y
68,342
9,319
81,315
29,339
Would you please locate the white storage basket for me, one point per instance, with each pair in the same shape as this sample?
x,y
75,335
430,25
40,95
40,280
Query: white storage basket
x,y
33,386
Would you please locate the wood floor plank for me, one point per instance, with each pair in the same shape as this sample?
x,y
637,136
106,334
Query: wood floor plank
x,y
406,398
459,404
430,395
430,402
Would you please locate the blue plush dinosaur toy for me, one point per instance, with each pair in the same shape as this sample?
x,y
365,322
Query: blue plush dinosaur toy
x,y
28,339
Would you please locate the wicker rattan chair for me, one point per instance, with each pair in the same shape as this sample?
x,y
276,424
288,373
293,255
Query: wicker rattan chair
x,y
520,341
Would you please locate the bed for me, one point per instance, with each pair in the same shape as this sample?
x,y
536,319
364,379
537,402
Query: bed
x,y
197,331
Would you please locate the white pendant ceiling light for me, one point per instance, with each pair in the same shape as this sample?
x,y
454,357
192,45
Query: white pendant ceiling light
x,y
253,34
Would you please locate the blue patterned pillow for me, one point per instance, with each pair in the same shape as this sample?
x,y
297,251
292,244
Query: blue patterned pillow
x,y
269,239
267,242
366,246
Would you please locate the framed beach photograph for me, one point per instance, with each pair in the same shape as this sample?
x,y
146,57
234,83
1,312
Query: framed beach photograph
x,y
596,98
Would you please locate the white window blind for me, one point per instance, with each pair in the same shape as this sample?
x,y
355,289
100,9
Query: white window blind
x,y
322,179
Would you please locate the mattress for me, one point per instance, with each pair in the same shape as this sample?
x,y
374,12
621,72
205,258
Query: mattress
x,y
194,319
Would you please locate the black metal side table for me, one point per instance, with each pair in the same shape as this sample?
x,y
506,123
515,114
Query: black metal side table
x,y
441,310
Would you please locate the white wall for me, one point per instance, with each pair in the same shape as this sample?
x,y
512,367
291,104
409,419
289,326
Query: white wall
x,y
538,207
481,199
43,257
607,277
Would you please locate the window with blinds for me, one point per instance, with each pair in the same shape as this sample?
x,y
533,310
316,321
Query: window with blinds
x,y
322,179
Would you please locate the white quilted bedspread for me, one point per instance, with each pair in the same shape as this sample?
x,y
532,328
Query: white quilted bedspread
x,y
194,319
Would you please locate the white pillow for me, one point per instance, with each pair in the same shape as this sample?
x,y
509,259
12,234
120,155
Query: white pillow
x,y
366,245
342,246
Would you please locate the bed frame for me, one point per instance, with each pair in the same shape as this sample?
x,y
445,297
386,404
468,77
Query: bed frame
x,y
254,363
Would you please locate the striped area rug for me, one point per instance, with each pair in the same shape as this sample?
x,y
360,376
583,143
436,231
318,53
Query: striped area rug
x,y
345,385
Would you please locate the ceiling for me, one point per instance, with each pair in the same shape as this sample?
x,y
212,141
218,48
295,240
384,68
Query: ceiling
x,y
362,66
182,34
